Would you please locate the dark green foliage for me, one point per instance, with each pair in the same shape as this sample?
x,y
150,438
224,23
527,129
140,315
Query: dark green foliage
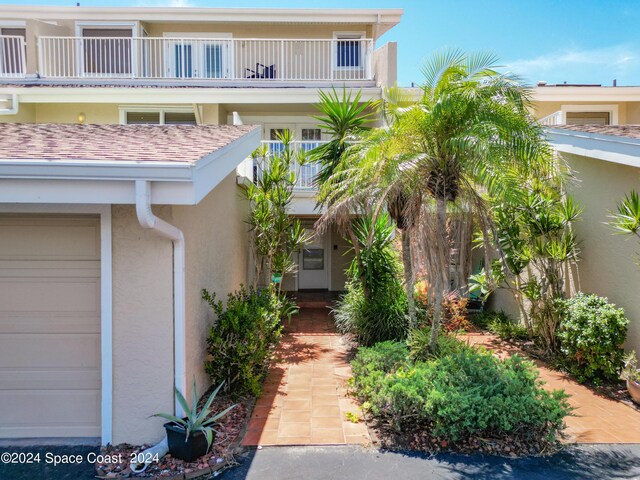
x,y
241,341
418,343
506,328
374,308
591,333
468,393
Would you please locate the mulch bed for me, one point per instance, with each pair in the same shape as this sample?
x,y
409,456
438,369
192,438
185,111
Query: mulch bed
x,y
418,439
230,429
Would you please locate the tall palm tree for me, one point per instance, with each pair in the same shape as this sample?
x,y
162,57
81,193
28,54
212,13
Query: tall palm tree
x,y
471,137
468,138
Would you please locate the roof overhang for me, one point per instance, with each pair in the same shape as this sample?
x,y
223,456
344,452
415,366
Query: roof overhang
x,y
610,148
113,182
168,95
383,18
585,94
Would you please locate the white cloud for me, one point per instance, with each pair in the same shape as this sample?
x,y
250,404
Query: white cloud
x,y
575,65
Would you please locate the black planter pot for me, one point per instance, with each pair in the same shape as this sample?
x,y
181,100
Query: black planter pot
x,y
194,447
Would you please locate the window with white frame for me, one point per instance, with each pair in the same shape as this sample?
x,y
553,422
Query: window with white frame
x,y
590,114
159,116
107,49
348,51
13,39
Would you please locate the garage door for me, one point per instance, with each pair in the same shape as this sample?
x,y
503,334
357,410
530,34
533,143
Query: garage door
x,y
49,326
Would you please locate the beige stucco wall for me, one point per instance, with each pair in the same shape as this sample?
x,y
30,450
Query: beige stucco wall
x,y
542,109
607,265
216,259
248,30
142,327
385,65
97,113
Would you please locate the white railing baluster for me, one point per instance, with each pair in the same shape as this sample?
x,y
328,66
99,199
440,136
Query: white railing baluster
x,y
194,58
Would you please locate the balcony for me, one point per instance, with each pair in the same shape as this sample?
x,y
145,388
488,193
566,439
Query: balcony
x,y
12,57
206,59
305,174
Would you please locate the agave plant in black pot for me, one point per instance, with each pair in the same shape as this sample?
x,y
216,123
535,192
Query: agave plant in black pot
x,y
191,437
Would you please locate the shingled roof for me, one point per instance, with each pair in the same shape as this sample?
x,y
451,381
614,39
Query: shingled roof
x,y
628,131
115,143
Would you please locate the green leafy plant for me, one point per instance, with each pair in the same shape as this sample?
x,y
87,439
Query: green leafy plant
x,y
353,417
419,342
467,393
537,242
275,235
374,307
242,340
630,370
591,334
197,420
507,328
626,220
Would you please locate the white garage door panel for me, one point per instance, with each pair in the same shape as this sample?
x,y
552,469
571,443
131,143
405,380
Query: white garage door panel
x,y
49,326
50,413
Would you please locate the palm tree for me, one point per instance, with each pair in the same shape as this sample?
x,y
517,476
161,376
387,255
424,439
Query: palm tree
x,y
438,161
470,138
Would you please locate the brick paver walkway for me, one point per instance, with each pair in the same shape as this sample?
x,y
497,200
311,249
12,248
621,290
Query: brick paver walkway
x,y
305,401
596,419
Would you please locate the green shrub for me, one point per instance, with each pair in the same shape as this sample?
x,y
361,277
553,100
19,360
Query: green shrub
x,y
242,340
591,335
383,317
418,343
505,327
464,394
371,364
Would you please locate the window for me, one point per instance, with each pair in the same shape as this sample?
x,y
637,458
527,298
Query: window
x,y
588,118
348,50
311,134
198,55
158,117
107,50
313,258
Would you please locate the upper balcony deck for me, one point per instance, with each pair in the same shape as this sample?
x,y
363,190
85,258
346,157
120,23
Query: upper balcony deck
x,y
217,47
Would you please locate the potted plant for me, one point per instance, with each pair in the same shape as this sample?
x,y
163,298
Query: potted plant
x,y
191,437
631,374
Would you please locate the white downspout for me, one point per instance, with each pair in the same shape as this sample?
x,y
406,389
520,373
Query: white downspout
x,y
148,220
14,106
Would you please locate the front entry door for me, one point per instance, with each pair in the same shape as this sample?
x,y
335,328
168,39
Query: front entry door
x,y
313,265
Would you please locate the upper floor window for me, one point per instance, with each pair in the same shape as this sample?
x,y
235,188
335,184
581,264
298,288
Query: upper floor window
x,y
348,50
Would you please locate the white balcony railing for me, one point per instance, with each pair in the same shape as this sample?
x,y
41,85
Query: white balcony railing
x,y
550,120
12,56
306,173
205,58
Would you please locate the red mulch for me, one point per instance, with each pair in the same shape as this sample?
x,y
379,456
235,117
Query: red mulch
x,y
229,432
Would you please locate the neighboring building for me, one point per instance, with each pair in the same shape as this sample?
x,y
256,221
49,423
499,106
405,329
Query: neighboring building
x,y
566,104
99,319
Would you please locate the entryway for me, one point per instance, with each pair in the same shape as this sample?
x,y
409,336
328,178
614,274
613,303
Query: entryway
x,y
313,263
305,399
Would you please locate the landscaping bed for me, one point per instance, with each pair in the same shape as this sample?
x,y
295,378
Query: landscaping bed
x,y
230,429
463,400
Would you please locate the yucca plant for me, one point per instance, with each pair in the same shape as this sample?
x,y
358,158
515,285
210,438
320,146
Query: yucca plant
x,y
626,220
194,420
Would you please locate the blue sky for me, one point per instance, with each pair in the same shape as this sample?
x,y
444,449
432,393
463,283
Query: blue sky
x,y
577,41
